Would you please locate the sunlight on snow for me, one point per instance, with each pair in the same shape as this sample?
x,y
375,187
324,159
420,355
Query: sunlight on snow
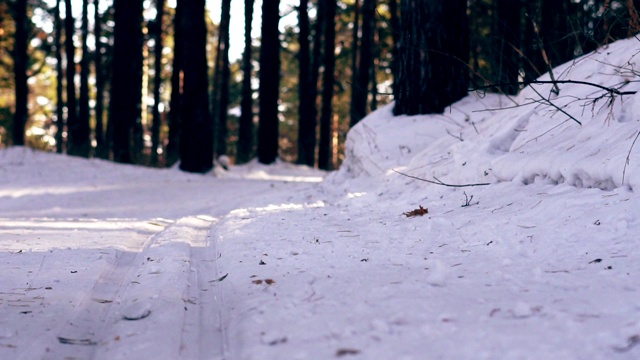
x,y
262,175
35,191
45,234
276,208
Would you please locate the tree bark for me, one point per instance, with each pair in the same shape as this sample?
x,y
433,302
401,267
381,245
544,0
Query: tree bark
x,y
555,31
433,56
196,140
245,136
72,105
307,120
354,118
20,63
223,101
361,90
59,79
80,136
175,103
325,151
395,31
124,110
268,134
158,35
101,150
316,62
507,20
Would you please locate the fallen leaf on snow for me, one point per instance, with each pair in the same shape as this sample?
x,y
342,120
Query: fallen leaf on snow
x,y
343,352
417,212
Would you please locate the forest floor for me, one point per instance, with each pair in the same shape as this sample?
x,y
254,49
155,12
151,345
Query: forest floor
x,y
538,258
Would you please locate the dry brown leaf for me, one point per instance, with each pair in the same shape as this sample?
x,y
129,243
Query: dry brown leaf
x,y
417,212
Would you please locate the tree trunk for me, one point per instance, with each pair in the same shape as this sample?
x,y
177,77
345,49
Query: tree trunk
x,y
196,140
433,56
124,110
355,93
395,31
101,150
245,136
268,134
533,63
20,63
555,31
158,32
59,79
223,101
72,107
175,103
364,69
316,62
325,150
307,120
81,145
507,20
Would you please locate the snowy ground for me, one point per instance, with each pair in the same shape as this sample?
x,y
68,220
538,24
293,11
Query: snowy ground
x,y
105,261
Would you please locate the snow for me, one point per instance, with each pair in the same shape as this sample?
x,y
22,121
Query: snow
x,y
109,261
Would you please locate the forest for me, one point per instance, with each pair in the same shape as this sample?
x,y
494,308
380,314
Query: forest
x,y
152,82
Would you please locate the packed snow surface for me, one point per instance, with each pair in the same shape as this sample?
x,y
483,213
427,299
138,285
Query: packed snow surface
x,y
538,258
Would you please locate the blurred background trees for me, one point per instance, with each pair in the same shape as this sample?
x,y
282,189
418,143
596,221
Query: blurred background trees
x,y
128,80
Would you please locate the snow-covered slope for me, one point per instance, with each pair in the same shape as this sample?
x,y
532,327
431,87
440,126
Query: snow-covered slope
x,y
531,137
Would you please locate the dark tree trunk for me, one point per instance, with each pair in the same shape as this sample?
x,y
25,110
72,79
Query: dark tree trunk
x,y
533,62
433,56
124,110
325,150
316,62
196,140
268,134
375,64
81,145
158,35
395,31
59,79
175,103
245,136
72,107
507,20
556,32
223,101
20,63
359,109
354,118
307,120
101,150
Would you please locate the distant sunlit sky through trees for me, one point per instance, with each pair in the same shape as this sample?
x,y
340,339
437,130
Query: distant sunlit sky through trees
x,y
237,17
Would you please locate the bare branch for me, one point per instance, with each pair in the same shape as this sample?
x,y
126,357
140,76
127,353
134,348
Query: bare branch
x,y
439,182
624,170
555,106
612,91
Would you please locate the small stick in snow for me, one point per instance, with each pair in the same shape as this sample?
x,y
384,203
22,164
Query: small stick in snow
x,y
438,181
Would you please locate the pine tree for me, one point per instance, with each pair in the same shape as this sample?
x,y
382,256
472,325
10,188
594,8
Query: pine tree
x,y
196,138
268,133
245,132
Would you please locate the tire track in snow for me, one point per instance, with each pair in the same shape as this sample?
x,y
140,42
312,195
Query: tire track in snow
x,y
162,302
204,332
81,335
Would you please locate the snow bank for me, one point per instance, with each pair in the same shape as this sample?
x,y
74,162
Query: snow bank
x,y
494,138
